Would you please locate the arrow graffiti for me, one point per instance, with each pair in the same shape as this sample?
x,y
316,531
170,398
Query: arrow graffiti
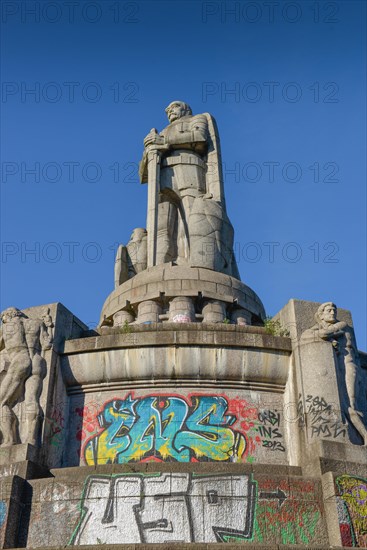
x,y
278,494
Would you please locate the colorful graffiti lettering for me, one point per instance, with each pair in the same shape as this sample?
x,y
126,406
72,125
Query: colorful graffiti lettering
x,y
165,428
167,507
352,510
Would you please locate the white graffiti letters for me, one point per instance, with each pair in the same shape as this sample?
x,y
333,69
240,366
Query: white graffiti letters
x,y
169,507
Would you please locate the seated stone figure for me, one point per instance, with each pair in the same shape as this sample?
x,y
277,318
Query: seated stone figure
x,y
132,258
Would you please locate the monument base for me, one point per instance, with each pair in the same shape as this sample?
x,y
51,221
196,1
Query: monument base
x,y
182,294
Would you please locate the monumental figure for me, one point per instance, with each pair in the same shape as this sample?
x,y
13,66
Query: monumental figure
x,y
187,223
342,338
187,227
24,340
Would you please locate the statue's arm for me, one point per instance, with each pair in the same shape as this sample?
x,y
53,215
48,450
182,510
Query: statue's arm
x,y
153,141
337,330
195,137
46,338
327,334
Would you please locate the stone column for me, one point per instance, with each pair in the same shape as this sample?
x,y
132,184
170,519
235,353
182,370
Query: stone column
x,y
182,310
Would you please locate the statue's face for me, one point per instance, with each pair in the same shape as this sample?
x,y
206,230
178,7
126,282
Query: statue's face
x,y
329,314
9,314
175,110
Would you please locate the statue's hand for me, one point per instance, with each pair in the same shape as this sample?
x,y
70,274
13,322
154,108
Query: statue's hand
x,y
335,344
153,138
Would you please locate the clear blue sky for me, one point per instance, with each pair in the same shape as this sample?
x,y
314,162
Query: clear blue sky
x,y
292,133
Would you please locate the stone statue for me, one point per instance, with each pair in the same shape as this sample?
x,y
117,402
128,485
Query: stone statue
x,y
132,258
24,341
342,338
187,223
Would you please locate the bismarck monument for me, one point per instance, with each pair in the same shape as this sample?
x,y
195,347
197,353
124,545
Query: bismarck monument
x,y
183,419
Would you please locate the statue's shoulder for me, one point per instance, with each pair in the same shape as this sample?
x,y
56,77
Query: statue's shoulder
x,y
207,120
311,334
207,117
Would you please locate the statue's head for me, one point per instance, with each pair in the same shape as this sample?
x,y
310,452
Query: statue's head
x,y
138,234
327,313
177,109
10,313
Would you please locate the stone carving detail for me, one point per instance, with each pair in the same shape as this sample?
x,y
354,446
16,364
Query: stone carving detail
x,y
24,341
342,338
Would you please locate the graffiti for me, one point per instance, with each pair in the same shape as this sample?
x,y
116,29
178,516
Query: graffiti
x,y
167,507
277,495
184,508
165,428
55,425
321,417
2,513
269,430
190,428
300,412
352,510
88,420
287,513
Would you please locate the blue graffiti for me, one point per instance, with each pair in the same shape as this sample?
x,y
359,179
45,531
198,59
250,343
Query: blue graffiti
x,y
166,428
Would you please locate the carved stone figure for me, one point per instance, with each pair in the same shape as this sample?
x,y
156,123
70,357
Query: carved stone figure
x,y
24,340
187,221
132,258
342,338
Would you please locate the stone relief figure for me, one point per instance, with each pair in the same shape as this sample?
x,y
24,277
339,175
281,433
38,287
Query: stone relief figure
x,y
24,341
132,258
342,338
187,222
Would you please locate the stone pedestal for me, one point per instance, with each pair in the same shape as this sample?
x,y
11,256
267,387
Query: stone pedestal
x,y
11,505
188,434
159,285
18,453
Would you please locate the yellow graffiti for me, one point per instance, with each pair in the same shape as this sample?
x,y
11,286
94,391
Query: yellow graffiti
x,y
353,491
